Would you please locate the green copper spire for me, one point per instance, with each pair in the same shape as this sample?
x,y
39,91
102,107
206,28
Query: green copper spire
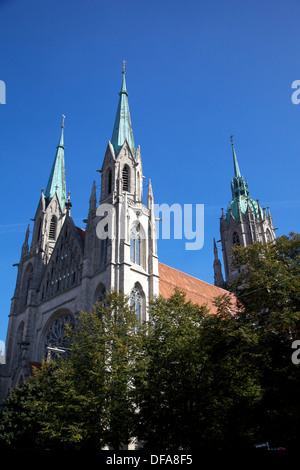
x,y
122,129
241,199
239,187
57,179
237,172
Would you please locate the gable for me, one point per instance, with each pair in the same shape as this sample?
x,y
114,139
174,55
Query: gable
x,y
125,154
64,269
109,158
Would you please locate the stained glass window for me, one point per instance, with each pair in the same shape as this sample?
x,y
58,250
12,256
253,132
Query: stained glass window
x,y
55,336
135,302
135,246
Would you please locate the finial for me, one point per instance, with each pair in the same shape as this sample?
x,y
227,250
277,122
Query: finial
x,y
63,123
231,140
124,65
68,204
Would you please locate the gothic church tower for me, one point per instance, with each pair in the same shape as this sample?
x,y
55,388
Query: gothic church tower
x,y
66,269
244,223
121,240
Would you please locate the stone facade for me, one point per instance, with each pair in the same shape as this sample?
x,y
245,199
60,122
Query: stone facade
x,y
67,269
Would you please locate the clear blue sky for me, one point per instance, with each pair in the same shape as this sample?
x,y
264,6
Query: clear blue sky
x,y
197,72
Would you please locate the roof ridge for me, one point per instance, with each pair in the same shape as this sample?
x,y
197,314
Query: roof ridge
x,y
194,277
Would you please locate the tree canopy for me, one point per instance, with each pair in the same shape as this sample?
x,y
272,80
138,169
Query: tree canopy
x,y
188,379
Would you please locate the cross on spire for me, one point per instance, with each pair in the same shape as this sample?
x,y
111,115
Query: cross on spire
x,y
124,65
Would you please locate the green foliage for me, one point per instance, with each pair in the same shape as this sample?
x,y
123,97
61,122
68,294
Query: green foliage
x,y
269,284
269,291
202,374
187,380
17,423
87,399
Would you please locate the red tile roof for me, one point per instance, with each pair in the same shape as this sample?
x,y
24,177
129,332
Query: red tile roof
x,y
197,291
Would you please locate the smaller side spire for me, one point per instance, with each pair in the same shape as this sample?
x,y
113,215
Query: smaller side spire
x,y
150,195
93,200
68,204
218,276
25,246
215,250
150,201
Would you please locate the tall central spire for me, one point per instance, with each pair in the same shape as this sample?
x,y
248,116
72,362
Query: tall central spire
x,y
122,129
57,179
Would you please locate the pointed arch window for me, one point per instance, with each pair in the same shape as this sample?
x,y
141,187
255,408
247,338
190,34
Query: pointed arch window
x,y
52,229
268,236
109,181
135,303
26,285
39,229
100,294
138,190
125,177
19,340
235,239
135,245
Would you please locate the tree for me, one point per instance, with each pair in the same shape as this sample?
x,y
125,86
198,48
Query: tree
x,y
19,426
269,284
269,292
102,369
202,378
190,379
86,400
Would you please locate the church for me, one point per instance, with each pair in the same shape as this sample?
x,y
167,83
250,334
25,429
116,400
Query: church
x,y
65,269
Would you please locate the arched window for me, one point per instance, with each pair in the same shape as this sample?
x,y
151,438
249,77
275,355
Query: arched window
x,y
100,294
52,229
55,335
135,245
135,303
109,181
18,346
103,248
26,285
268,236
39,229
235,239
138,189
125,177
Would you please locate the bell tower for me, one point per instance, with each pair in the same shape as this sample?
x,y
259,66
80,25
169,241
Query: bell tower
x,y
121,240
245,221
